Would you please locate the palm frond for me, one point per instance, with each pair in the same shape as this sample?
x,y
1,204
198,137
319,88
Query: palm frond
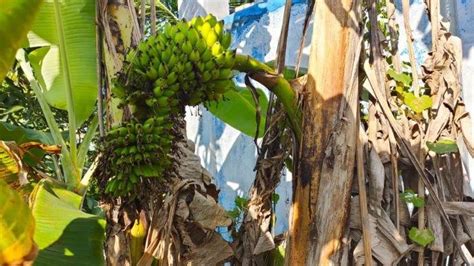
x,y
167,11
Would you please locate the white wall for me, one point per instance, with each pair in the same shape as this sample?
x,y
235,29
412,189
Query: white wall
x,y
461,14
191,8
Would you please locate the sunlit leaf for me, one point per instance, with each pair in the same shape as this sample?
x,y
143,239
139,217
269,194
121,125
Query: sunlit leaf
x,y
16,226
10,164
75,68
442,146
279,256
64,234
417,104
16,18
422,237
400,77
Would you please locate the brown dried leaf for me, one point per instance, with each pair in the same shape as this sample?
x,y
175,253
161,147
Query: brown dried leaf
x,y
435,224
437,125
182,209
387,228
464,122
214,251
461,235
376,178
264,243
459,208
387,244
52,149
207,212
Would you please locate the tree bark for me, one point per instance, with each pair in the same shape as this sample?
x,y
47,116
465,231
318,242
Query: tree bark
x,y
117,24
257,238
325,168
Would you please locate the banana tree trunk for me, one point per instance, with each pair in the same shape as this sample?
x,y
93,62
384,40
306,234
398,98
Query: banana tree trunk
x,y
327,151
117,31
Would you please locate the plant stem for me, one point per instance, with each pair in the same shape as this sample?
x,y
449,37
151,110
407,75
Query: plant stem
x,y
142,18
153,16
69,98
276,84
411,51
48,115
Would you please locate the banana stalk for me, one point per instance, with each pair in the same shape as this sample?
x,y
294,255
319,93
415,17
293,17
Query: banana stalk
x,y
275,83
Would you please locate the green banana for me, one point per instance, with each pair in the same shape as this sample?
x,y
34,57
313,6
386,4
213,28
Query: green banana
x,y
205,29
192,35
211,39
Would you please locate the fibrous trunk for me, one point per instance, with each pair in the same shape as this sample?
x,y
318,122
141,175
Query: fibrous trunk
x,y
327,152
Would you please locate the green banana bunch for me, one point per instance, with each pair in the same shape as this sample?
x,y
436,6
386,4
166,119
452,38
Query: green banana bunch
x,y
137,152
186,57
187,63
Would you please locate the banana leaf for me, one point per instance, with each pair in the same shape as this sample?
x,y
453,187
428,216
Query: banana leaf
x,y
239,111
66,62
16,18
16,226
10,164
21,135
64,234
9,132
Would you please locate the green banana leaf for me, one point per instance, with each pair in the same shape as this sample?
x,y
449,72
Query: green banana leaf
x,y
66,65
239,111
21,135
16,226
64,234
16,17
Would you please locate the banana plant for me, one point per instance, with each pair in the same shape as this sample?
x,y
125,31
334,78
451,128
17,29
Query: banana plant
x,y
72,158
16,220
59,65
64,60
75,234
62,72
63,235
